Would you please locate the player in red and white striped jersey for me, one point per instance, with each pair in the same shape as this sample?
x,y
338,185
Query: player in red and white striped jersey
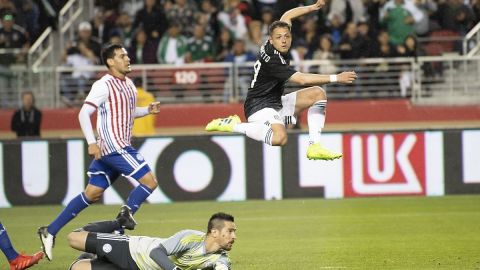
x,y
114,99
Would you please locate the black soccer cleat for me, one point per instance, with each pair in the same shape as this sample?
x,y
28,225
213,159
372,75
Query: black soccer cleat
x,y
125,218
83,256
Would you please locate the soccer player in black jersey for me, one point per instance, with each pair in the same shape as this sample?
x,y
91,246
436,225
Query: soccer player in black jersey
x,y
267,109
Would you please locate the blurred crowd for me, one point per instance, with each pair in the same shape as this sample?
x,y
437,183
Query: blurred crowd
x,y
21,22
186,31
195,31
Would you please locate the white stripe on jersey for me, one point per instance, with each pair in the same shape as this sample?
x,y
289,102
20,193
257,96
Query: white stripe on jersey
x,y
116,114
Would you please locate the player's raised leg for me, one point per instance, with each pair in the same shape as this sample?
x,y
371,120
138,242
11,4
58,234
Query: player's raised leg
x,y
315,99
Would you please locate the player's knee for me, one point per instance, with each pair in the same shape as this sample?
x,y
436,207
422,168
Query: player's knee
x,y
81,265
93,197
279,139
318,94
73,239
150,181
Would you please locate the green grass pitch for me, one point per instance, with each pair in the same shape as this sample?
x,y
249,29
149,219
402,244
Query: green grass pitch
x,y
367,233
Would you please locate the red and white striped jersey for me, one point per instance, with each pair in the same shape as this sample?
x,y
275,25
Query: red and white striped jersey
x,y
115,100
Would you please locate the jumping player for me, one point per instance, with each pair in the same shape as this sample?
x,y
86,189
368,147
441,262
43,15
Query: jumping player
x,y
267,109
114,98
187,249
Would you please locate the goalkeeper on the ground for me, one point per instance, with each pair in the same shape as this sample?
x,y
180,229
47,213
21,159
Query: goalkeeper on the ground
x,y
187,249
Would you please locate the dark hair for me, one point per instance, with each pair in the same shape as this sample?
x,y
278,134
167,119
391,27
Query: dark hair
x,y
108,52
278,24
216,221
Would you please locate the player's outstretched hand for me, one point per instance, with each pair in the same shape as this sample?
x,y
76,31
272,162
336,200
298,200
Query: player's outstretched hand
x,y
319,4
94,151
346,77
154,107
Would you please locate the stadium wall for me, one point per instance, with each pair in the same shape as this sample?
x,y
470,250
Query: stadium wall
x,y
226,168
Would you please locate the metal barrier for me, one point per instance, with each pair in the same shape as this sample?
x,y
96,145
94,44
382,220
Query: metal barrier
x,y
426,80
448,80
471,42
71,13
226,82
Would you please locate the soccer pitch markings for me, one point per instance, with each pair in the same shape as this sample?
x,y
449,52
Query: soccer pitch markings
x,y
368,233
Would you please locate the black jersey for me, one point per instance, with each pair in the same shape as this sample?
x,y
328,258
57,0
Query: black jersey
x,y
272,71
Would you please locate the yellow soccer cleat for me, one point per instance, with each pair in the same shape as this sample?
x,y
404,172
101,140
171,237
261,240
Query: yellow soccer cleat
x,y
317,152
223,124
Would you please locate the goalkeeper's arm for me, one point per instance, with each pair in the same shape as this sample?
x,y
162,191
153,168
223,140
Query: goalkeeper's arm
x,y
159,256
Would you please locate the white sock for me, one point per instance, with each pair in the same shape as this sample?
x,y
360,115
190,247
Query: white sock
x,y
257,131
316,120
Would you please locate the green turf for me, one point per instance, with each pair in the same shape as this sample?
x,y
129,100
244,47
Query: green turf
x,y
374,233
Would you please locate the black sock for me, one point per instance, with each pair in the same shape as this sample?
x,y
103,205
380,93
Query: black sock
x,y
107,226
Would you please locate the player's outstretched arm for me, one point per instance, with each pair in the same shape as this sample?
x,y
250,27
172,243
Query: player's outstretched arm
x,y
160,257
152,108
300,11
346,77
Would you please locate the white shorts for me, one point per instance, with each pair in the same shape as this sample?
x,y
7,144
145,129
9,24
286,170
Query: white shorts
x,y
286,115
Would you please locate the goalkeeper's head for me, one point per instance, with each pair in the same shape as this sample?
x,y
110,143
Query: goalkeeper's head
x,y
222,229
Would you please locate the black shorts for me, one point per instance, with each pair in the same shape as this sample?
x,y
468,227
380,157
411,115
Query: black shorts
x,y
110,248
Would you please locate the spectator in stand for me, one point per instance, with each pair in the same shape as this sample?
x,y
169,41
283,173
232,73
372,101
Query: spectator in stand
x,y
232,19
267,19
353,45
143,126
30,13
310,35
26,121
131,7
398,21
476,11
223,45
153,20
142,49
348,11
407,49
383,47
115,38
335,31
172,46
208,17
200,46
12,36
263,4
100,29
455,15
183,14
90,42
239,55
74,85
299,54
325,52
124,28
428,8
256,38
367,36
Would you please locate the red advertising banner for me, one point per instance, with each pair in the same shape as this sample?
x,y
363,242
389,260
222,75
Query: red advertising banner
x,y
384,164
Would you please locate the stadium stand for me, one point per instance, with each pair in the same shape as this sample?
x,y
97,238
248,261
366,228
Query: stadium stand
x,y
59,68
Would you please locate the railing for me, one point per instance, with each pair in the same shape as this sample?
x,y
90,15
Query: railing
x,y
226,82
471,42
71,13
448,80
426,80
